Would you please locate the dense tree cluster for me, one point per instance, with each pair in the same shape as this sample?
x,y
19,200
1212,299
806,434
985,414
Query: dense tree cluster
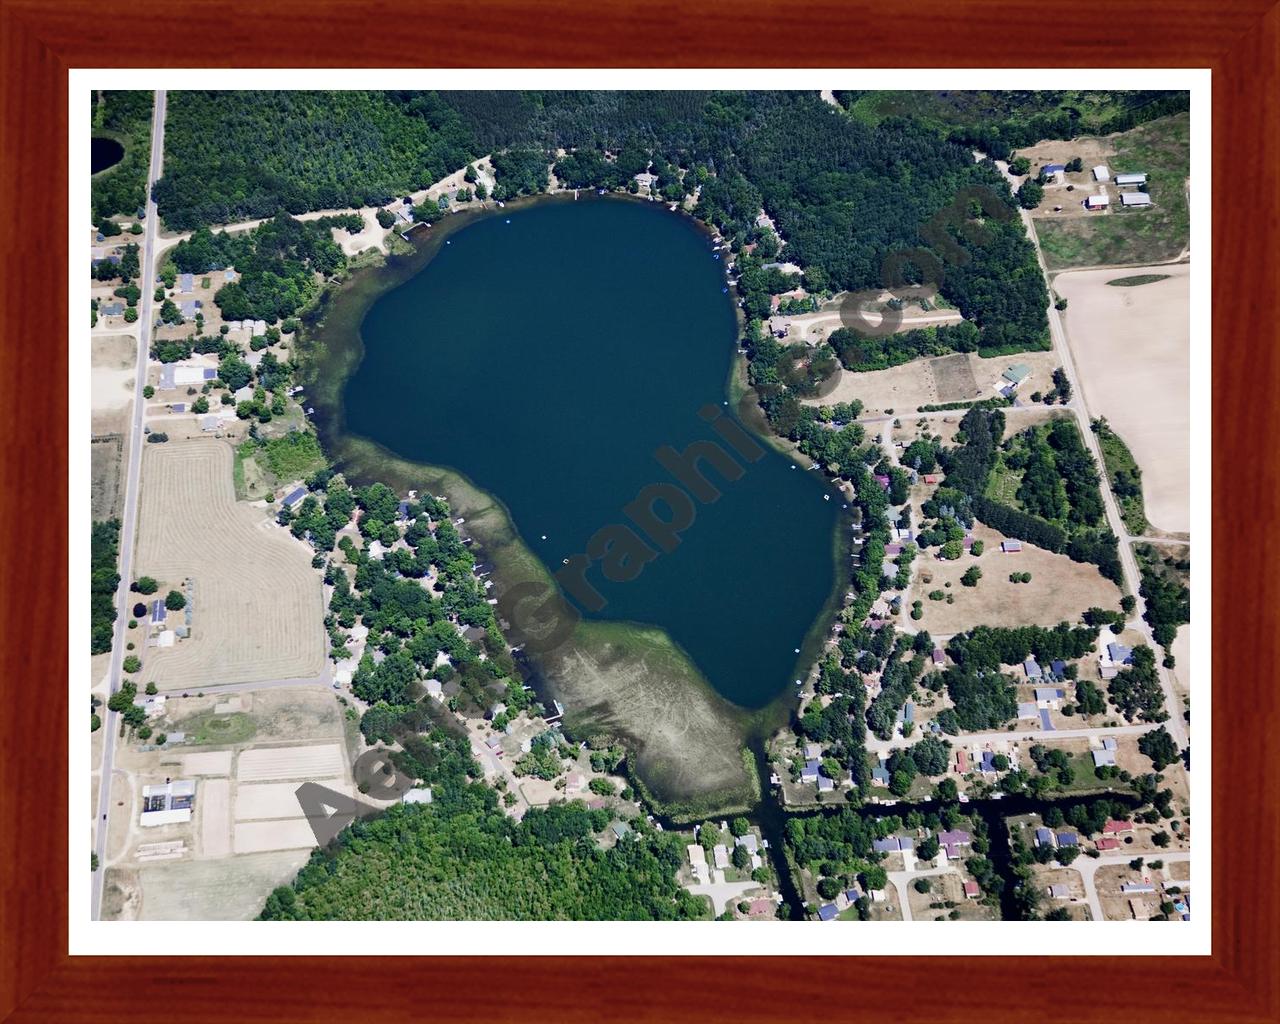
x,y
277,262
1167,597
968,467
461,858
122,189
240,155
989,647
863,352
1135,690
104,579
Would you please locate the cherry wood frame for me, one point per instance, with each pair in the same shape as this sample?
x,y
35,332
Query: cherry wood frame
x,y
40,39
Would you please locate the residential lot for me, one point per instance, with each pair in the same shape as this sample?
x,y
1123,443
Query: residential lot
x,y
1132,349
961,377
256,604
1060,589
1161,150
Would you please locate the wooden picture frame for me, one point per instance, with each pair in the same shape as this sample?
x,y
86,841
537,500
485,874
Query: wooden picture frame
x,y
41,39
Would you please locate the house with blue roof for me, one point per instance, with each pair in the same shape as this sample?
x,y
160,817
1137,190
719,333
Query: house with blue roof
x,y
1044,837
827,912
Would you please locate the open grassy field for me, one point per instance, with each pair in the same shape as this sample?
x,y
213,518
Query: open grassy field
x,y
1059,588
1132,349
256,603
1160,232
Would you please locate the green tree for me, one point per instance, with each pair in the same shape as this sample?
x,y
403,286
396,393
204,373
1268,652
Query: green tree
x,y
174,601
1029,194
132,663
1159,746
741,858
971,576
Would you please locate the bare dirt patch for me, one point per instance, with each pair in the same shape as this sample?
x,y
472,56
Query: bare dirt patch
x,y
956,378
105,462
215,818
1132,349
112,367
1060,589
256,603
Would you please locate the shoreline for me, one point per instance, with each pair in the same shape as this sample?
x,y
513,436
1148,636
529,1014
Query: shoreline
x,y
330,350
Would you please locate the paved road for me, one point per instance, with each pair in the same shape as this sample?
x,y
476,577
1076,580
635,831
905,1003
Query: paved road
x,y
1088,865
881,748
1176,725
902,880
111,720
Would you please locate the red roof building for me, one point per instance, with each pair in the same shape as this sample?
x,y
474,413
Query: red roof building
x,y
972,890
1108,844
1116,828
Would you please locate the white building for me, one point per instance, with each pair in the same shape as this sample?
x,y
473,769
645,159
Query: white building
x,y
1130,179
1135,199
1100,173
169,804
1099,202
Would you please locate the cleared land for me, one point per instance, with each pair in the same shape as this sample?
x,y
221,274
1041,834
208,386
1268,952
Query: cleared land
x,y
1161,149
1059,588
231,889
215,817
259,836
256,603
961,377
277,799
1132,348
264,764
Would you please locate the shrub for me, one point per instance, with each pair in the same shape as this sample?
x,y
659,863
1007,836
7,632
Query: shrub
x,y
132,663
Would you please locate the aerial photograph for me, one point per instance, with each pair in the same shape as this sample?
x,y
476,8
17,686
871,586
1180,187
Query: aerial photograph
x,y
607,505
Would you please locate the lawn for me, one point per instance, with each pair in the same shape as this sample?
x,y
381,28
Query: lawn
x,y
1154,234
236,727
1004,483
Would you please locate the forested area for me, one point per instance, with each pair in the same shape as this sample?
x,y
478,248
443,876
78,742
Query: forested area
x,y
461,858
1064,483
998,121
1165,591
233,156
126,117
104,579
863,352
850,199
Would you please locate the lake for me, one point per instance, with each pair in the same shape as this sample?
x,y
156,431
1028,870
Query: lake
x,y
546,354
104,153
